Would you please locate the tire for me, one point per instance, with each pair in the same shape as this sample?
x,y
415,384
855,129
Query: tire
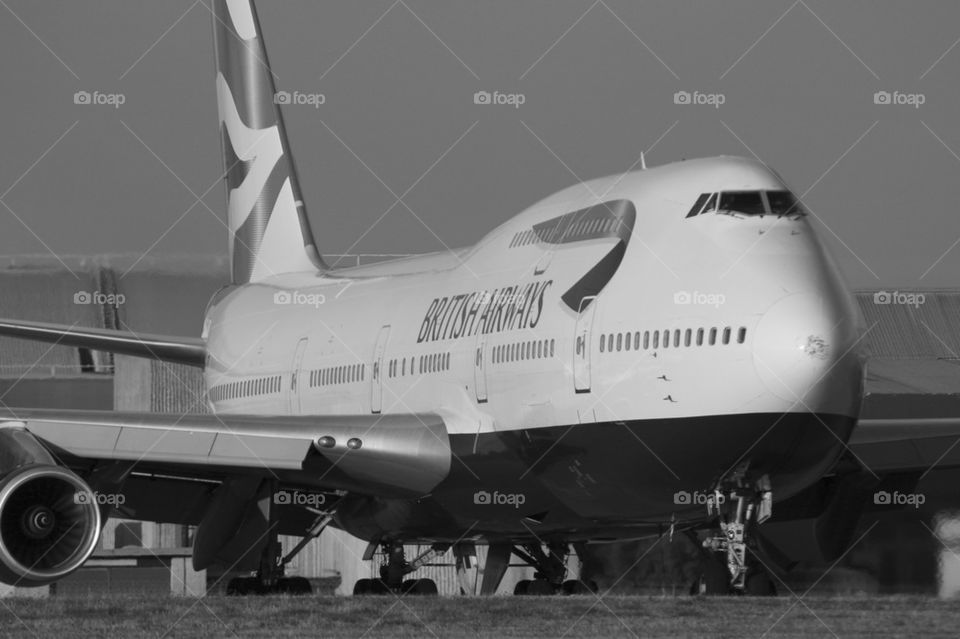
x,y
297,586
522,587
425,587
714,581
236,587
243,586
540,587
759,584
362,587
576,587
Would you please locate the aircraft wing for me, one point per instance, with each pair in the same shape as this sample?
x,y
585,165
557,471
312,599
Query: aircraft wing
x,y
389,455
906,444
181,350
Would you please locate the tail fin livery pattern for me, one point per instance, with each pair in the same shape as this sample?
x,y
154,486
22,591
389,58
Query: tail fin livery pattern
x,y
269,230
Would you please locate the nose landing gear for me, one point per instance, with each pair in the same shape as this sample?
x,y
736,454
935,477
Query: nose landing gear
x,y
739,504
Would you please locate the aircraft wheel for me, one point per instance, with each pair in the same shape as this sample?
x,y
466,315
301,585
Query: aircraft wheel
x,y
759,584
294,586
236,587
420,587
243,586
540,587
715,580
578,587
362,587
522,587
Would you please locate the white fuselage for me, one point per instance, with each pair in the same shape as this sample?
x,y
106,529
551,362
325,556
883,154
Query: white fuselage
x,y
767,279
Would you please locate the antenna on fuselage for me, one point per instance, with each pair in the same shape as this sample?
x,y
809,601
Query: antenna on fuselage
x,y
643,161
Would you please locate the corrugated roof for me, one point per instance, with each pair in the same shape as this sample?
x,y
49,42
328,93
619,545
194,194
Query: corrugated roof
x,y
911,324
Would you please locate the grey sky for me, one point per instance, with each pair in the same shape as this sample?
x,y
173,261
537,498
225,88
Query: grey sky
x,y
399,97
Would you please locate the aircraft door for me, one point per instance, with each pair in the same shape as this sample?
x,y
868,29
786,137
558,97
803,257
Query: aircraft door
x,y
296,374
581,344
480,368
376,371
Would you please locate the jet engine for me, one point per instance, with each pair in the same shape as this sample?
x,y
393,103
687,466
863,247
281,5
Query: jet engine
x,y
49,518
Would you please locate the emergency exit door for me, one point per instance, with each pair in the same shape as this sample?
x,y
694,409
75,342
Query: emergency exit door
x,y
581,344
376,370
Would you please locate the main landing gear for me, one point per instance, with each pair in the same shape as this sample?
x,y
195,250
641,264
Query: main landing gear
x,y
739,504
395,568
270,577
551,570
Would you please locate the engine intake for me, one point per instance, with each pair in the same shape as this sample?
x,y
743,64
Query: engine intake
x,y
49,524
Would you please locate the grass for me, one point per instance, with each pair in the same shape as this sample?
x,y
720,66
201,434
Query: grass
x,y
388,616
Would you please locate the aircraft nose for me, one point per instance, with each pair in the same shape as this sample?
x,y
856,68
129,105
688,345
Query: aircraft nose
x,y
804,350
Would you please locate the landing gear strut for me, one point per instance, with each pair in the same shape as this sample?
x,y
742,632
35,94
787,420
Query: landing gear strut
x,y
395,568
270,577
551,571
739,504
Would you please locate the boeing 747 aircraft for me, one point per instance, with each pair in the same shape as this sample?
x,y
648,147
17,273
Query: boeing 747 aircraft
x,y
551,386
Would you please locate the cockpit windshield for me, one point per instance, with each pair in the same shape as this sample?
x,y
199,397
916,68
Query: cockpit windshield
x,y
747,203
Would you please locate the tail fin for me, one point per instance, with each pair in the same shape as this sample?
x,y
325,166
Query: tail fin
x,y
269,230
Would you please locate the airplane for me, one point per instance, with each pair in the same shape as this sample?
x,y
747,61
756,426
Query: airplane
x,y
669,348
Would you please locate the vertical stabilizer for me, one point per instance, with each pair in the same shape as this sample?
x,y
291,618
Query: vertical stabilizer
x,y
269,230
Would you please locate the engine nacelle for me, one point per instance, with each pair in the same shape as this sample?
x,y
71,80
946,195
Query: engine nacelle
x,y
49,524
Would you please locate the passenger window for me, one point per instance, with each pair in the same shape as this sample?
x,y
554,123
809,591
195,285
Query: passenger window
x,y
666,339
539,349
619,341
699,337
626,342
676,337
656,339
687,337
713,336
636,341
551,347
726,335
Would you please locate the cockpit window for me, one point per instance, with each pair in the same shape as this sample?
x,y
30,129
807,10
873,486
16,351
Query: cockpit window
x,y
695,209
739,203
711,204
783,203
746,202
